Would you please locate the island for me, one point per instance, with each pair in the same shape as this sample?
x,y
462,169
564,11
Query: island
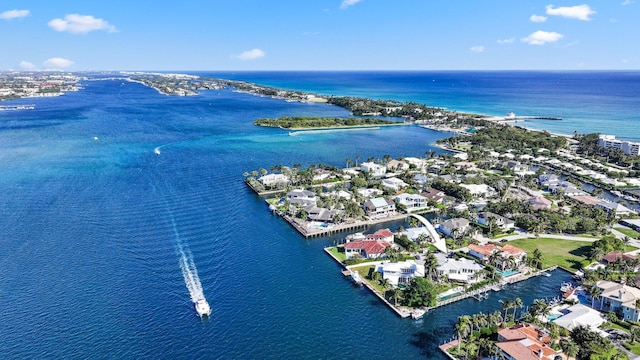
x,y
299,123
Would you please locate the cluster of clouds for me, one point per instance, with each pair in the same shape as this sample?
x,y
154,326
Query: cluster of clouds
x,y
82,24
582,12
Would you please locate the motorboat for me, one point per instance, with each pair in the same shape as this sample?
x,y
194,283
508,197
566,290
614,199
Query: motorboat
x,y
202,307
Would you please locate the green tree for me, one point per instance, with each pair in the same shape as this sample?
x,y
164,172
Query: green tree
x,y
421,292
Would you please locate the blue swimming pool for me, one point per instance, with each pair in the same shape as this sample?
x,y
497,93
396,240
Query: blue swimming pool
x,y
508,273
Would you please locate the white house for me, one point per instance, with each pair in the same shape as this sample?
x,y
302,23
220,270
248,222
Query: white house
x,y
383,234
461,270
400,273
302,197
379,207
412,201
375,170
366,249
273,179
455,225
394,183
478,190
616,296
484,218
367,193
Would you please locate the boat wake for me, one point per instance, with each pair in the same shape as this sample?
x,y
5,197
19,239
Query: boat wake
x,y
190,274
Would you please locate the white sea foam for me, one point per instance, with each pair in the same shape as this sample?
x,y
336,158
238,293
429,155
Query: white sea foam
x,y
188,267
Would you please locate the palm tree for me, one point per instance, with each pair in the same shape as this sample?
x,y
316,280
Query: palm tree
x,y
506,305
517,303
595,294
569,348
462,329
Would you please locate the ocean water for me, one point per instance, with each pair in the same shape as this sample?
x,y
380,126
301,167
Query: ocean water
x,y
590,101
103,244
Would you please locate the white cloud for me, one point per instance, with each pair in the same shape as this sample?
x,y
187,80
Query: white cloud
x,y
477,49
346,3
506,41
79,24
627,2
537,18
14,14
252,54
57,62
625,61
580,12
26,65
542,37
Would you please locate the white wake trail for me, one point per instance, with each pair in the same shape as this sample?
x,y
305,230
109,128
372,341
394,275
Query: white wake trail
x,y
188,267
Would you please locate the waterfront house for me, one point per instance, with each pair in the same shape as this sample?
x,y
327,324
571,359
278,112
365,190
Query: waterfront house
x,y
375,170
526,342
455,226
366,249
382,234
547,180
412,201
273,179
379,208
434,195
422,178
315,213
615,256
580,315
401,273
461,270
616,297
482,252
615,208
485,218
302,197
394,183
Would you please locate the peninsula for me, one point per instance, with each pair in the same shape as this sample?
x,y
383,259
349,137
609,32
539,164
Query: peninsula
x,y
298,123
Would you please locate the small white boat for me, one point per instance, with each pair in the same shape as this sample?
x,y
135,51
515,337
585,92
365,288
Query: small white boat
x,y
546,274
566,286
355,276
157,151
202,307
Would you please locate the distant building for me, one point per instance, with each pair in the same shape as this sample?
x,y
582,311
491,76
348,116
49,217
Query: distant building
x,y
628,147
484,218
434,195
539,202
375,170
394,183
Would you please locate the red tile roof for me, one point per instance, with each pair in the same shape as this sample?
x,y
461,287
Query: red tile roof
x,y
512,250
615,255
485,250
369,247
523,342
380,234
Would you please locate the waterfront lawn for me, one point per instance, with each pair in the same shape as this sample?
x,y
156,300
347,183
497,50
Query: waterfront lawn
x,y
340,255
567,254
628,232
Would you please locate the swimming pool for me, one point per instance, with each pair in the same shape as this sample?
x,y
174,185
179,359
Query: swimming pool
x,y
508,273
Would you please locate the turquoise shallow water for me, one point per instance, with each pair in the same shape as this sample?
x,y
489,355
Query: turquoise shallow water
x,y
92,234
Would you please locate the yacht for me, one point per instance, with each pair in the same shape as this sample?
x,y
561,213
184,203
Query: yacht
x,y
202,307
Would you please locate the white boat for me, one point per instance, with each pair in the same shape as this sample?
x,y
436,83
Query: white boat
x,y
566,286
202,307
157,151
546,274
355,276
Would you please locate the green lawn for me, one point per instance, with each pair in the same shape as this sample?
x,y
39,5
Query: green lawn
x,y
628,232
568,254
338,254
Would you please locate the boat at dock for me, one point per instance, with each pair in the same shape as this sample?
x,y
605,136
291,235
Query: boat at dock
x,y
357,279
202,307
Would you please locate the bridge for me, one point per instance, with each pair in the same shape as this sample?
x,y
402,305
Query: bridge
x,y
438,242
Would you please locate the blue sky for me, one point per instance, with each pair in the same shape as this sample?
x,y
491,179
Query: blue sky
x,y
320,35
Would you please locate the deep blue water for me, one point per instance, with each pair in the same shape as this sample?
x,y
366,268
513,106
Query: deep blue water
x,y
590,101
92,233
